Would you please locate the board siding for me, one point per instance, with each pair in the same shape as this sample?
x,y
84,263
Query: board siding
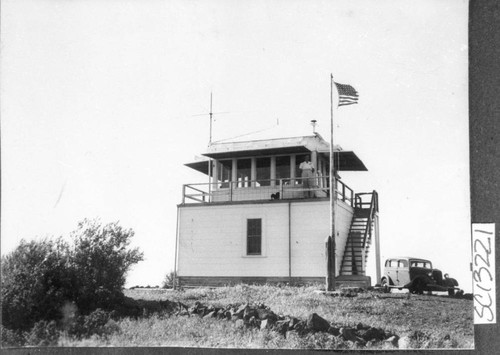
x,y
234,280
212,240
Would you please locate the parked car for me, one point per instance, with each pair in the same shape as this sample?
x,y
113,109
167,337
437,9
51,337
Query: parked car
x,y
417,275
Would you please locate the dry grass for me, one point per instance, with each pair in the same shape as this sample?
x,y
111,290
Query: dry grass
x,y
424,321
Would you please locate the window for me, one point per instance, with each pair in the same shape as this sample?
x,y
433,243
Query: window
x,y
225,167
421,263
299,159
244,172
403,263
282,169
254,236
394,263
263,171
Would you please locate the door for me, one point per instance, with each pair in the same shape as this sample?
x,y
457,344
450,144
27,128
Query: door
x,y
403,272
391,270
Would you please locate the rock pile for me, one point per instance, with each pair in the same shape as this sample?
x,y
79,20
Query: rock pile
x,y
261,317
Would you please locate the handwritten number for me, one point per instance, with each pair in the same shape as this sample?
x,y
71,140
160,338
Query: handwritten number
x,y
478,274
488,251
488,307
487,261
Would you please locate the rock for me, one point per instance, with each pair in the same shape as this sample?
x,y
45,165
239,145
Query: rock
x,y
254,322
404,342
360,326
239,323
238,314
209,315
250,312
350,334
317,323
282,327
293,322
333,331
266,314
300,326
372,333
393,340
202,311
265,324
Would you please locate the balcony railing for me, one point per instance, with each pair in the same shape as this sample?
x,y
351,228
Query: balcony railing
x,y
278,189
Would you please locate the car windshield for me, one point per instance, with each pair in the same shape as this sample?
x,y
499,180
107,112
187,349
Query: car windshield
x,y
421,263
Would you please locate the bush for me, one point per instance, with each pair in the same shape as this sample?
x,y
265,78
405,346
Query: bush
x,y
101,261
40,278
168,281
43,333
11,337
98,322
36,280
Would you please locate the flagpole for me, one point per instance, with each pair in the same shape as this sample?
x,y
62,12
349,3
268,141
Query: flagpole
x,y
333,197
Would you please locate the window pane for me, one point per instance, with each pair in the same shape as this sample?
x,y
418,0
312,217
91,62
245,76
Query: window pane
x,y
282,169
225,167
263,171
243,172
254,236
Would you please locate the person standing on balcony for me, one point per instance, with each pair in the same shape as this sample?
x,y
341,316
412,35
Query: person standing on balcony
x,y
307,169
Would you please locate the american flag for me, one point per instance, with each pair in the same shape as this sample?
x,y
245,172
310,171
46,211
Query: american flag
x,y
347,94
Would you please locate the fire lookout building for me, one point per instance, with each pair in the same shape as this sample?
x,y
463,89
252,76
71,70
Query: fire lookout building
x,y
255,222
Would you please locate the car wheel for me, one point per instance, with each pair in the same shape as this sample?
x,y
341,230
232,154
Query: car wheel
x,y
385,286
418,287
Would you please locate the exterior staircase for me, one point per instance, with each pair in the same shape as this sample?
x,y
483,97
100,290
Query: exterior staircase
x,y
359,239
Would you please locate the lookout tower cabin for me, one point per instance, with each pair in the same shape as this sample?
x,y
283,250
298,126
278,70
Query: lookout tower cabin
x,y
255,219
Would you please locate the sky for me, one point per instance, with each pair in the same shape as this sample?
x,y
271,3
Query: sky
x,y
102,104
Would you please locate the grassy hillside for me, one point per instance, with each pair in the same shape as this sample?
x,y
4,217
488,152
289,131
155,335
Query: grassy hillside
x,y
419,321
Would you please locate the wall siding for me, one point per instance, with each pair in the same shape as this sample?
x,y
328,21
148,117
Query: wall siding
x,y
212,239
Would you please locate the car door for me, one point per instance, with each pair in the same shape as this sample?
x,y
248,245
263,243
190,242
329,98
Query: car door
x,y
391,267
403,272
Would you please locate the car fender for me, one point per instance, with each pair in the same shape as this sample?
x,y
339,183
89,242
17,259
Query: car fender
x,y
391,283
450,282
420,278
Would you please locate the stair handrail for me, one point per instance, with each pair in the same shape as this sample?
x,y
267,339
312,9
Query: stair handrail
x,y
371,214
368,229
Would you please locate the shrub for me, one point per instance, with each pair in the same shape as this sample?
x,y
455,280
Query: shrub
x,y
11,337
168,281
101,260
98,322
43,333
36,280
40,278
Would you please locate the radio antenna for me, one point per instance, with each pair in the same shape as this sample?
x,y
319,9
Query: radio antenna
x,y
211,115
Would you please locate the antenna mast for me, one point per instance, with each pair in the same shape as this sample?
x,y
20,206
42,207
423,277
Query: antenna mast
x,y
211,114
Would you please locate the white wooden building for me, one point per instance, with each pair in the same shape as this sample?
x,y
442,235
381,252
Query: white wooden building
x,y
254,221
